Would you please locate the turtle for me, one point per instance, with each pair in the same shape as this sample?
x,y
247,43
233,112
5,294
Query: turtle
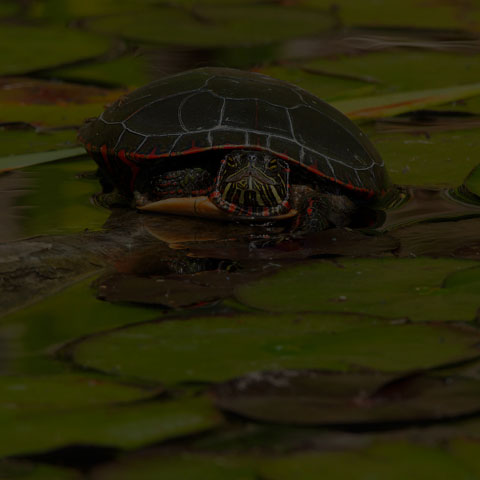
x,y
235,145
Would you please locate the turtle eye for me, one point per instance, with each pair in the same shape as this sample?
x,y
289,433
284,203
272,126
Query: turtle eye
x,y
273,164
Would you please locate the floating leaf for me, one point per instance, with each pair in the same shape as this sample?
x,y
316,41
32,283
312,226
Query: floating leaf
x,y
62,392
395,103
130,426
124,71
219,348
309,397
19,470
26,49
28,333
441,159
394,288
183,466
395,460
211,26
30,159
393,71
28,141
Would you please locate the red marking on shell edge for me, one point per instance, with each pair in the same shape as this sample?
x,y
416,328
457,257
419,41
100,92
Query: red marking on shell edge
x,y
369,193
232,208
133,168
266,212
104,152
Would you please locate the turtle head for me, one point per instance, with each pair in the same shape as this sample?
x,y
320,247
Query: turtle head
x,y
252,184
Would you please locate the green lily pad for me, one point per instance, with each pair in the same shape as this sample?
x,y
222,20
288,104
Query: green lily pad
x,y
209,349
386,105
125,71
30,159
173,467
393,460
26,49
394,288
17,142
130,426
311,397
63,391
472,183
10,470
442,159
30,332
210,26
404,70
409,13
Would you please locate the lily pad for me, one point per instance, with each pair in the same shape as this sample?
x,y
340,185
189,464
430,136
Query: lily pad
x,y
209,349
211,26
395,460
29,159
395,288
29,48
18,142
19,470
309,397
472,183
126,71
63,391
32,331
441,159
170,467
386,105
404,70
129,426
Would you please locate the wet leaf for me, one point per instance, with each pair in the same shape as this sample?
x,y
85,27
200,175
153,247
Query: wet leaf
x,y
211,26
125,71
312,397
472,182
395,460
183,466
37,47
19,470
28,141
439,159
411,13
130,426
63,392
219,348
395,103
403,70
28,333
29,159
395,288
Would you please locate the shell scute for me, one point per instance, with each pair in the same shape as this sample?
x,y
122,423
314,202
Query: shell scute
x,y
213,108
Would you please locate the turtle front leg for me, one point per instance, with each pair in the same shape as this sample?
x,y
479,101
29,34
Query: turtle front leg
x,y
319,211
188,182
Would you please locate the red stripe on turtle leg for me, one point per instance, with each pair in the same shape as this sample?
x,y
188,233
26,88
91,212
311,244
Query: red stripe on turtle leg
x,y
133,168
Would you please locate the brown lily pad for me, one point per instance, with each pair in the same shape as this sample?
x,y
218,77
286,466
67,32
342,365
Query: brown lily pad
x,y
313,397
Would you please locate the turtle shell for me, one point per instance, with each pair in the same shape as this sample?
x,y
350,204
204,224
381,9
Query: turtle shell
x,y
220,108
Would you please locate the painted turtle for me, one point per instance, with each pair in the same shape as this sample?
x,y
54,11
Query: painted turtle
x,y
226,143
